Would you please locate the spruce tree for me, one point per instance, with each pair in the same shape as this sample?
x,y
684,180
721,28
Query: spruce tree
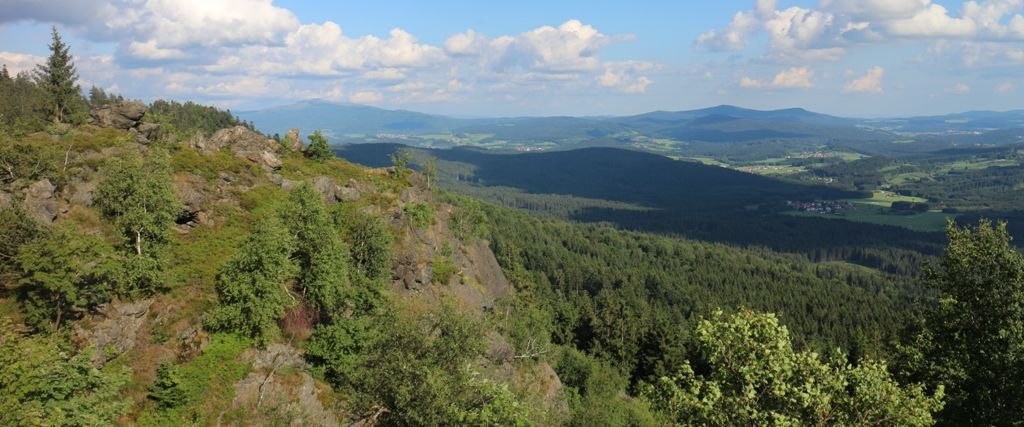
x,y
58,78
4,74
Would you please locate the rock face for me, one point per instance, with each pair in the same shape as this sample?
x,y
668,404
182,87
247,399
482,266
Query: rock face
x,y
292,140
115,335
126,115
279,381
245,144
40,203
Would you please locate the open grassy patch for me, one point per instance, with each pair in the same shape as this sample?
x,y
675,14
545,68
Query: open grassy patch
x,y
874,213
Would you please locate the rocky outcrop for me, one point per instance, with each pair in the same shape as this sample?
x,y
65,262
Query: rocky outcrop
x,y
292,140
191,191
245,144
116,333
40,203
6,200
279,387
126,115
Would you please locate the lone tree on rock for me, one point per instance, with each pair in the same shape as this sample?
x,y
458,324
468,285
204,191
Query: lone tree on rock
x,y
58,78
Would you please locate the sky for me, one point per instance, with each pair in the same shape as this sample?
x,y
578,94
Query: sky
x,y
862,58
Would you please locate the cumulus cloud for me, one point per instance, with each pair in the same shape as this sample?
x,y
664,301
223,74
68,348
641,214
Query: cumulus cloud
x,y
256,49
19,62
826,31
626,76
572,46
868,83
365,97
792,78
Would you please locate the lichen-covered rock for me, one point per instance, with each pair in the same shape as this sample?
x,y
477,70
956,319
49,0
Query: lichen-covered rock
x,y
327,188
83,192
280,390
292,140
119,115
151,131
246,144
116,333
40,203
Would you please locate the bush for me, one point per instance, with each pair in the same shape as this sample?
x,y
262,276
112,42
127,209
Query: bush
x,y
369,238
420,214
318,149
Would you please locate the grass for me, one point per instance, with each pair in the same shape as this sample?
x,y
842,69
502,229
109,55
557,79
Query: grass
x,y
208,381
876,214
886,198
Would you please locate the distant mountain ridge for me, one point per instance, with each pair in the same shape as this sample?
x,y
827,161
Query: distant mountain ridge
x,y
345,122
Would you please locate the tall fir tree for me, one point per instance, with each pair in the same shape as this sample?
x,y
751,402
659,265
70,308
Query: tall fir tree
x,y
58,78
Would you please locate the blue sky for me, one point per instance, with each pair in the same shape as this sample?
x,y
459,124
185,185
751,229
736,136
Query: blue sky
x,y
863,58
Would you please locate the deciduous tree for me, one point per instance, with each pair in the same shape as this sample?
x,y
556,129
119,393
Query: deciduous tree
x,y
318,148
753,376
252,285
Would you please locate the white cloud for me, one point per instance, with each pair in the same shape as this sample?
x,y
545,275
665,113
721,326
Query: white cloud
x,y
254,49
960,89
868,83
1006,87
825,32
791,78
626,76
19,62
365,97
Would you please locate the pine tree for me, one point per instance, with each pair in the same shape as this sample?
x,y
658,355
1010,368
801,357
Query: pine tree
x,y
57,77
4,74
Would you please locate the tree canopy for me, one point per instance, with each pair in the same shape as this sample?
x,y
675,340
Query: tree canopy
x,y
751,375
973,339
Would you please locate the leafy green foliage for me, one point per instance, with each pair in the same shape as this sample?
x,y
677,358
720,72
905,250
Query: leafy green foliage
x,y
755,377
973,340
420,214
400,159
65,273
205,385
139,197
25,160
370,239
469,220
45,382
58,78
414,371
167,390
251,285
30,112
16,229
443,267
185,119
594,389
321,255
318,148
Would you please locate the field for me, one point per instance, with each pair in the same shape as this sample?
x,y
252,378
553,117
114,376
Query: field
x,y
875,210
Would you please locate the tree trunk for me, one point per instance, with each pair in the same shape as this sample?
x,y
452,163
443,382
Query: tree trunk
x,y
138,243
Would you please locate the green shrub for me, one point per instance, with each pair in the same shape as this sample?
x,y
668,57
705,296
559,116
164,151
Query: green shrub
x,y
420,214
